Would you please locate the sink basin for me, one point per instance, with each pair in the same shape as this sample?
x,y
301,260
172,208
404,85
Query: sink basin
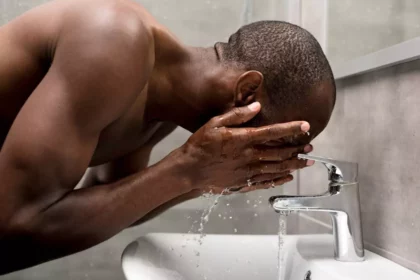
x,y
166,256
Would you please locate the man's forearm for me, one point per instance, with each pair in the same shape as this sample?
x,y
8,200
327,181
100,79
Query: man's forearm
x,y
86,217
162,208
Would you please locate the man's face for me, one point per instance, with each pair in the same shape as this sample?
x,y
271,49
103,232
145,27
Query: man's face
x,y
316,110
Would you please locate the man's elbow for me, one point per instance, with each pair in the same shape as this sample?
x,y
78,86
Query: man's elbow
x,y
17,245
21,223
26,241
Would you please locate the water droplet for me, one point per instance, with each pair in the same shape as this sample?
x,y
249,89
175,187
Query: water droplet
x,y
285,213
235,230
255,215
230,218
249,182
227,204
247,202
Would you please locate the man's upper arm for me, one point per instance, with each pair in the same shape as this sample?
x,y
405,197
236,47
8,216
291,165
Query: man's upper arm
x,y
127,164
95,75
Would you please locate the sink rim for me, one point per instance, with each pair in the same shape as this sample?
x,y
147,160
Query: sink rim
x,y
374,265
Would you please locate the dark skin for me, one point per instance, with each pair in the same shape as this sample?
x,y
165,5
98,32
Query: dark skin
x,y
93,86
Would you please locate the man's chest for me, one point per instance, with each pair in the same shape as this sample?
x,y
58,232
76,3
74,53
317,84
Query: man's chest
x,y
131,162
127,134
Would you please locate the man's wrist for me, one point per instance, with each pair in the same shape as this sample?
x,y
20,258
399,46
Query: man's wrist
x,y
181,169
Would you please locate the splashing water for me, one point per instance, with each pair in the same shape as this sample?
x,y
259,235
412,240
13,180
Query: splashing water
x,y
206,214
282,233
204,219
249,182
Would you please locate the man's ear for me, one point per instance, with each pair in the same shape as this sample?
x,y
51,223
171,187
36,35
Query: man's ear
x,y
249,86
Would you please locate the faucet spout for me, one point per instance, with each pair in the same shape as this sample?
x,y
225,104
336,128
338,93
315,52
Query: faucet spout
x,y
338,171
325,202
341,201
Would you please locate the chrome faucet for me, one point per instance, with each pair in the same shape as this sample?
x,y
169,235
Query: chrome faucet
x,y
341,201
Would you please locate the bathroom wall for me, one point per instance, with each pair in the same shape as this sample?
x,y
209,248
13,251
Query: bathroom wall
x,y
199,23
375,123
359,27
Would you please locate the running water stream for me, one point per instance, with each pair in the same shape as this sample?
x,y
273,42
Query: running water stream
x,y
281,251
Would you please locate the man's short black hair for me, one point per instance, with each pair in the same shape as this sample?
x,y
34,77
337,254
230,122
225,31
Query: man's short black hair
x,y
289,57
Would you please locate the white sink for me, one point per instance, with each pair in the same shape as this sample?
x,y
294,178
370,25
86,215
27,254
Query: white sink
x,y
164,256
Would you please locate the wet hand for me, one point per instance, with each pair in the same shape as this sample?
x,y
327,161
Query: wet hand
x,y
225,156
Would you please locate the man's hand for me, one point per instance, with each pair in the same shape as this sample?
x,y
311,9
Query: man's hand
x,y
224,156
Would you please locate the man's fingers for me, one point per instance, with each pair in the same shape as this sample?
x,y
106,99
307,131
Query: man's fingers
x,y
214,190
268,184
237,115
268,177
279,153
277,131
277,182
279,167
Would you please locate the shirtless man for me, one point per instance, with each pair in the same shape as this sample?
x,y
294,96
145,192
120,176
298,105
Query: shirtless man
x,y
97,83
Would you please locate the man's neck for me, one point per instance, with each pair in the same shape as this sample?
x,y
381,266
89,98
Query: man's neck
x,y
188,85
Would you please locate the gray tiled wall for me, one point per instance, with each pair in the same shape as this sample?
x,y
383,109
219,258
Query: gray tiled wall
x,y
375,123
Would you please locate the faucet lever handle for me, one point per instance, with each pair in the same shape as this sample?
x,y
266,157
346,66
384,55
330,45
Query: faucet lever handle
x,y
338,171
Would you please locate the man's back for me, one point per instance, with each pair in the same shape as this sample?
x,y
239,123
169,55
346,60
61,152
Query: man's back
x,y
22,64
28,47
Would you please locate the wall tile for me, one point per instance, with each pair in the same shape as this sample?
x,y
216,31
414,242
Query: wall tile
x,y
375,123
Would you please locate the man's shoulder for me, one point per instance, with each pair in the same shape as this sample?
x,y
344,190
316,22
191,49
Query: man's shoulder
x,y
107,17
107,34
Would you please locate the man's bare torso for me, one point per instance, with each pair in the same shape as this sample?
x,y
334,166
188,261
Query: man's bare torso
x,y
25,58
86,85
